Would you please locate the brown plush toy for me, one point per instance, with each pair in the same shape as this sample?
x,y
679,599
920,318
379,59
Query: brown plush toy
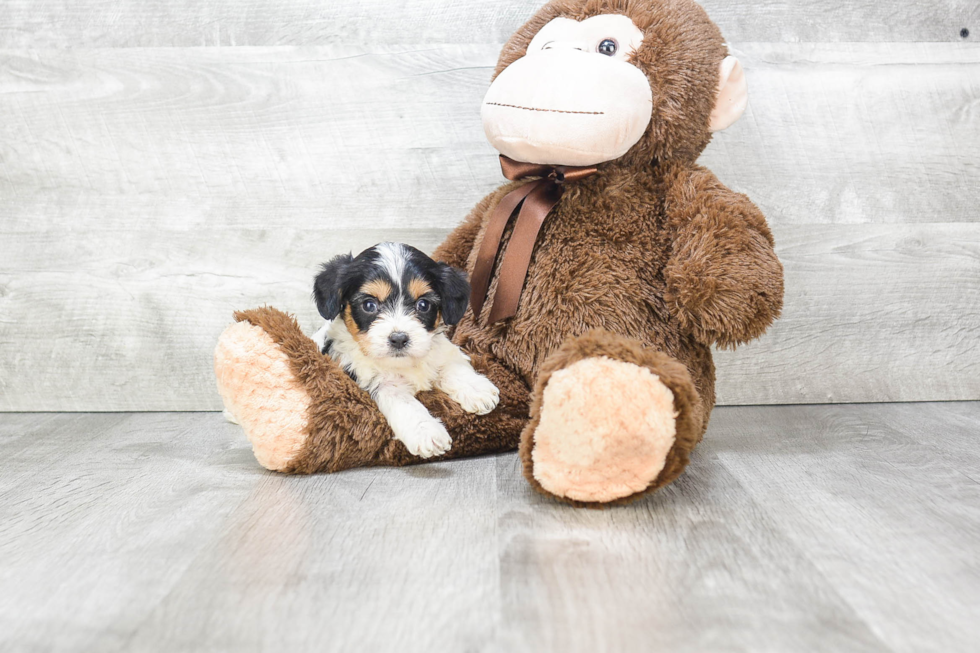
x,y
601,277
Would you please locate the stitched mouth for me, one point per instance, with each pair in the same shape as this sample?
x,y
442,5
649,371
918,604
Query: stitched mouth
x,y
517,106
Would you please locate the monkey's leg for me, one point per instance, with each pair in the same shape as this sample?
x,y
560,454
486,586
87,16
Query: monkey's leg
x,y
610,421
303,414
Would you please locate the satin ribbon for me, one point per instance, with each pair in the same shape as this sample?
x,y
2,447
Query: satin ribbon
x,y
535,201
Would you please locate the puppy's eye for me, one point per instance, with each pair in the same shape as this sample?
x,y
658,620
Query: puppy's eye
x,y
369,306
608,47
423,306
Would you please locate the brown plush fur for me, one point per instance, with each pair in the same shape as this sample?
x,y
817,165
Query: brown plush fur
x,y
653,250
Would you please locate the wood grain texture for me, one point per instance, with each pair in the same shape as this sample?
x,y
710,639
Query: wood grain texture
x,y
268,137
847,133
698,567
386,559
149,193
796,528
876,498
159,532
111,509
150,23
243,137
872,311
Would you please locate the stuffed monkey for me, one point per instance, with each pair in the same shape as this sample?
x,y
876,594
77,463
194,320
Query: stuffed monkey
x,y
602,274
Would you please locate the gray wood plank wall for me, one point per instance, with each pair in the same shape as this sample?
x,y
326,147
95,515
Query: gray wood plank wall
x,y
152,182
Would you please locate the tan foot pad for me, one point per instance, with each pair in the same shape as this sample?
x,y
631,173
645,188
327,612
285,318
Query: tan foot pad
x,y
605,430
262,394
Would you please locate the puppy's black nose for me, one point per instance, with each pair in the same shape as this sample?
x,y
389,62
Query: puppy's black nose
x,y
398,340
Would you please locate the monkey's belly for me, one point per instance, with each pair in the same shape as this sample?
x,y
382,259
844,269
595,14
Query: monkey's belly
x,y
569,293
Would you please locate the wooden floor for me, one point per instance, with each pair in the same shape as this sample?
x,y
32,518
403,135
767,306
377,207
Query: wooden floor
x,y
796,528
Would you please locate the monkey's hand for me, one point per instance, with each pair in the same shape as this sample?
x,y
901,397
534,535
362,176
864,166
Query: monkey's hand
x,y
724,282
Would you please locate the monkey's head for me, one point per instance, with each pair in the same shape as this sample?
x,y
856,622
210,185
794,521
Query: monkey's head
x,y
590,81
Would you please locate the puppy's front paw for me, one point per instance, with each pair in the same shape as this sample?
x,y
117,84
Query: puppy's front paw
x,y
428,439
474,393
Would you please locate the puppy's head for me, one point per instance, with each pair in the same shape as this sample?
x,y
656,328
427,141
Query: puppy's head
x,y
392,298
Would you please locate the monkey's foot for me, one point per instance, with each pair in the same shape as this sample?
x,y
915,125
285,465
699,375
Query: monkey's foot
x,y
611,421
261,393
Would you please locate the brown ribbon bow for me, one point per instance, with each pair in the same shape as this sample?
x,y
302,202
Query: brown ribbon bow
x,y
535,200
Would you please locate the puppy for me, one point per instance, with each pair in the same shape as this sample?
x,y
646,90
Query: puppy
x,y
387,311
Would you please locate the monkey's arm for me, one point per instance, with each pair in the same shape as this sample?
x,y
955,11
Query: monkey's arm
x,y
455,250
724,282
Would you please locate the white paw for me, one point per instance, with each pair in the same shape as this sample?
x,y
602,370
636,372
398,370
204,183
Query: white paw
x,y
474,393
428,439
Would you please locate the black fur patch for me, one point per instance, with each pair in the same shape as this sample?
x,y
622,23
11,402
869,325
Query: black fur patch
x,y
327,287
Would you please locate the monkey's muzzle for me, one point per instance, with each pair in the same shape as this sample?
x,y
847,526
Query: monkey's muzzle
x,y
567,107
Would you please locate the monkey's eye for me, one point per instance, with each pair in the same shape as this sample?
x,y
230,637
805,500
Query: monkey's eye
x,y
369,306
423,306
608,47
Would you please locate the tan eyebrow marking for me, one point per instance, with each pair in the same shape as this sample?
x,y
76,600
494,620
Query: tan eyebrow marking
x,y
418,287
378,288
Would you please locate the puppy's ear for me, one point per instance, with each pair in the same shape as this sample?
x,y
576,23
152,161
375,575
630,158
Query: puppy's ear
x,y
455,293
328,285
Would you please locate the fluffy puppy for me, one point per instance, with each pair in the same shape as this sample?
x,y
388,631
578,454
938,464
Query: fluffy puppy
x,y
387,310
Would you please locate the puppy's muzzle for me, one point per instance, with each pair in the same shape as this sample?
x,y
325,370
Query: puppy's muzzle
x,y
398,341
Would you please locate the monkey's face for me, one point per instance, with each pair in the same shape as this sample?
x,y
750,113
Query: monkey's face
x,y
590,85
574,98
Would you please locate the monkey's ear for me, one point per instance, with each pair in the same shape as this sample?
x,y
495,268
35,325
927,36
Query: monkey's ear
x,y
328,285
455,292
732,97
